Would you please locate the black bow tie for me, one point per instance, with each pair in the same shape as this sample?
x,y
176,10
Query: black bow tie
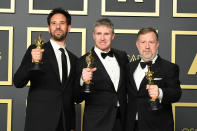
x,y
110,54
143,64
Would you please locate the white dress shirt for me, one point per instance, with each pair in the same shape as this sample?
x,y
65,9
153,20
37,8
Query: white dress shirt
x,y
139,75
111,65
59,59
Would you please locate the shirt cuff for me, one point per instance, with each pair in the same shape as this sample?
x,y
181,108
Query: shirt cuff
x,y
81,82
160,97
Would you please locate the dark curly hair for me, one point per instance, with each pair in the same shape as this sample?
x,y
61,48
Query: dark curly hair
x,y
59,11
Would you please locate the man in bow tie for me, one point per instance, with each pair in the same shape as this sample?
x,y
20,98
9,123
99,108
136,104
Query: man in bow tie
x,y
106,103
165,89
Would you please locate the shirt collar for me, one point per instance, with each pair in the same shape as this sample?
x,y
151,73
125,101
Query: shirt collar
x,y
56,46
153,61
99,51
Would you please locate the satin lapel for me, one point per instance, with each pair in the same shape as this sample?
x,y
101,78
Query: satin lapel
x,y
98,64
156,66
143,83
52,59
133,67
121,68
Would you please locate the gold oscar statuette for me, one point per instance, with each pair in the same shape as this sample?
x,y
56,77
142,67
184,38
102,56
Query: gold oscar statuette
x,y
154,102
149,76
36,65
89,61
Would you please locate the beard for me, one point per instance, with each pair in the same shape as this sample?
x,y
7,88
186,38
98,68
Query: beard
x,y
148,57
59,37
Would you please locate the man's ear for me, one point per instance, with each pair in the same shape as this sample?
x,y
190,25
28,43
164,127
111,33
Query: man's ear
x,y
137,44
69,28
113,36
158,44
49,30
93,35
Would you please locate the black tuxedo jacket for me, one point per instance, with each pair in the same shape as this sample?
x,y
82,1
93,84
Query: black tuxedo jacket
x,y
167,75
48,99
101,104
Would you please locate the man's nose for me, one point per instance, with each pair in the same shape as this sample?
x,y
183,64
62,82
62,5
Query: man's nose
x,y
102,37
147,45
57,25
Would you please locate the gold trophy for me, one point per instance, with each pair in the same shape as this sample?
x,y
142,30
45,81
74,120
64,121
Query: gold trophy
x,y
36,65
88,84
154,102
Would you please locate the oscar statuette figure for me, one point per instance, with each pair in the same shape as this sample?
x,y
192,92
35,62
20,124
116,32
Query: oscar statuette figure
x,y
154,102
88,84
36,65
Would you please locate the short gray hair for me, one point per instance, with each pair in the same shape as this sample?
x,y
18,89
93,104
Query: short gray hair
x,y
104,22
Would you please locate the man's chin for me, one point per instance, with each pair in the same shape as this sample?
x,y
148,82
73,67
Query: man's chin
x,y
147,58
59,38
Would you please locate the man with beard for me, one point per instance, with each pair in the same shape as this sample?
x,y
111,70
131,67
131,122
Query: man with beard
x,y
165,89
50,105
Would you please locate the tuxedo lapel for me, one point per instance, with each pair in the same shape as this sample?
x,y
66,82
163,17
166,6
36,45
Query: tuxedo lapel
x,y
98,64
71,62
133,67
121,67
156,66
52,58
143,83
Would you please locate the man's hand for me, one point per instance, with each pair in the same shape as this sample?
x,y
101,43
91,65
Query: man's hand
x,y
153,91
37,54
87,74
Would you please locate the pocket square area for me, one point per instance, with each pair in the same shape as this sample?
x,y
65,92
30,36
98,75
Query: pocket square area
x,y
158,78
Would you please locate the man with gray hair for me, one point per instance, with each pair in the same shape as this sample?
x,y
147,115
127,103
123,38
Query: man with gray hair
x,y
150,98
105,104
